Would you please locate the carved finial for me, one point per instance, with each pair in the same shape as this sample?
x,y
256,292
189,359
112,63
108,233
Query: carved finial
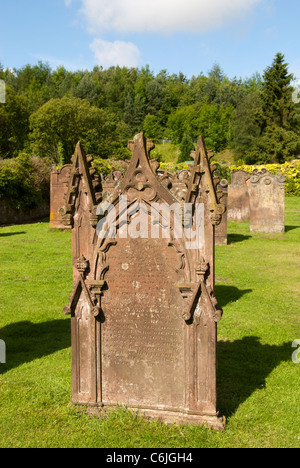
x,y
202,268
81,265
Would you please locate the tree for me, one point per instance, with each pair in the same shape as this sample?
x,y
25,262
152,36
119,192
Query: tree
x,y
87,89
213,123
14,123
186,147
277,93
247,125
58,125
265,124
36,83
152,127
280,140
183,122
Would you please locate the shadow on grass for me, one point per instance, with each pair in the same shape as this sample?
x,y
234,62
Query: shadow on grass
x,y
26,341
227,294
243,367
8,234
235,238
291,228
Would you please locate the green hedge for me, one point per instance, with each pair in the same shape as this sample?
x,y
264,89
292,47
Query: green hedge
x,y
25,181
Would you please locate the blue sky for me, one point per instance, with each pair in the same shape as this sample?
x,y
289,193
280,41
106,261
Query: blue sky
x,y
242,36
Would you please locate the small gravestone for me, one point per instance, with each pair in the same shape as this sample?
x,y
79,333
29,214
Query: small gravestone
x,y
143,310
59,183
238,197
221,229
267,202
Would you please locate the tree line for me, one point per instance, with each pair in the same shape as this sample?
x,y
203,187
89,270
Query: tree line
x,y
47,111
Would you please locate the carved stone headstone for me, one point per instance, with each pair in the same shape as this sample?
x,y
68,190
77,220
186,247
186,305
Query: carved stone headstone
x,y
238,197
143,310
59,183
221,229
267,202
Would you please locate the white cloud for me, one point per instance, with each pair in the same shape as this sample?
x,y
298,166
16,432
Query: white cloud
x,y
163,16
68,3
115,53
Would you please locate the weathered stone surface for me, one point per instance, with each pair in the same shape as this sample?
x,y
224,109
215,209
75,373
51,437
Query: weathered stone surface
x,y
267,202
59,183
143,310
221,229
238,197
11,215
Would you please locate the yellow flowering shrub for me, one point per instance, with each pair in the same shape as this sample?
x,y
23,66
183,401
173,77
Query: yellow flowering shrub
x,y
291,171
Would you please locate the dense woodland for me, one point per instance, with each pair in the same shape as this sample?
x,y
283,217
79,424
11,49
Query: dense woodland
x,y
47,111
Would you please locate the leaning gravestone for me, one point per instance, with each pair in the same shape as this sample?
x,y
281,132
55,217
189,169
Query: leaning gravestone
x,y
59,183
143,310
221,229
267,202
238,197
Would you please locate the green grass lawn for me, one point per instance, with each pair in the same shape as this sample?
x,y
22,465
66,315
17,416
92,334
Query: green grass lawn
x,y
258,384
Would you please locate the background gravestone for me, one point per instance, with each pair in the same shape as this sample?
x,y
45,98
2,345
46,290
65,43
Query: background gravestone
x,y
238,197
59,183
143,310
221,230
267,202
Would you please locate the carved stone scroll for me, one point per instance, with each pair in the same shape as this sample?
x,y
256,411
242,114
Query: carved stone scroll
x,y
221,230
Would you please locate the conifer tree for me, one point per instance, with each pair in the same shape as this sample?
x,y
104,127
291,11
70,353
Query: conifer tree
x,y
186,147
277,93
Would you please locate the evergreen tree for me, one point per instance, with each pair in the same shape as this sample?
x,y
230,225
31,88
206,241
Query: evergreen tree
x,y
277,93
279,141
186,147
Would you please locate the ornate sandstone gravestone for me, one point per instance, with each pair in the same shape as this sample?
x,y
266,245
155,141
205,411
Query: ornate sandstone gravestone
x,y
59,183
143,310
238,197
267,202
221,229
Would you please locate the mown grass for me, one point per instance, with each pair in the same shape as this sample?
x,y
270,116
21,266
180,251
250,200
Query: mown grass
x,y
258,384
166,153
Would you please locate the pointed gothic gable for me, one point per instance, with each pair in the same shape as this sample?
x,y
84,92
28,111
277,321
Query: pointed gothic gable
x,y
202,180
143,307
81,172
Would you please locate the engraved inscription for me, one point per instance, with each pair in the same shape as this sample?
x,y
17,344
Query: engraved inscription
x,y
143,332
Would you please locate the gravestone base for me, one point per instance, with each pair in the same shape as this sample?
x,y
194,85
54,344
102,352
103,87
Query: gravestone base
x,y
214,420
221,240
266,229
